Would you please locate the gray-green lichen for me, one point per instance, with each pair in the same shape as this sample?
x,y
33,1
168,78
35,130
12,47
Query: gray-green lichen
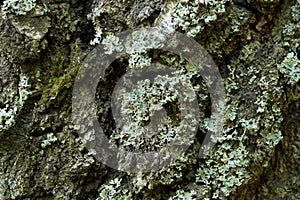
x,y
14,93
192,16
255,96
17,7
125,16
290,67
157,107
256,47
112,190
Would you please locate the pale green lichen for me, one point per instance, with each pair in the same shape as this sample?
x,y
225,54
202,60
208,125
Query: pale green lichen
x,y
254,109
290,67
266,122
226,174
15,103
138,60
139,105
113,190
184,195
17,7
288,33
96,13
151,113
231,111
111,44
253,114
191,16
50,140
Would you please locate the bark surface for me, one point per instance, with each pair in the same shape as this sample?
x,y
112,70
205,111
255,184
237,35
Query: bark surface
x,y
255,45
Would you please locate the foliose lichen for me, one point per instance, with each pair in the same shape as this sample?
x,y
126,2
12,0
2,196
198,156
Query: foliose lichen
x,y
192,16
290,67
13,97
255,101
151,114
113,190
261,76
50,139
255,123
17,7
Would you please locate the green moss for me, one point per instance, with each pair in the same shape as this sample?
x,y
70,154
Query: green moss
x,y
61,77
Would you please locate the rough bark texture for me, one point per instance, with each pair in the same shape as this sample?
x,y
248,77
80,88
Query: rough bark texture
x,y
255,44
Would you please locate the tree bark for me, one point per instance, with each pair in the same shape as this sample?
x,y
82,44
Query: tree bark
x,y
255,46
